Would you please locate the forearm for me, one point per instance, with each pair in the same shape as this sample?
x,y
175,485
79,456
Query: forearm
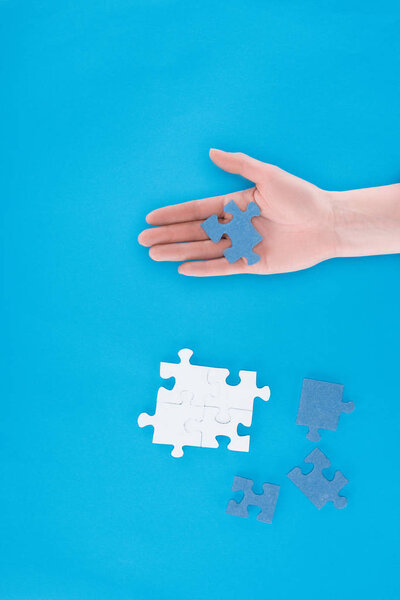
x,y
367,221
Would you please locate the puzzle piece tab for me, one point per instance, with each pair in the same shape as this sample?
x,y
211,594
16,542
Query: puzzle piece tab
x,y
210,429
320,407
315,486
266,501
240,229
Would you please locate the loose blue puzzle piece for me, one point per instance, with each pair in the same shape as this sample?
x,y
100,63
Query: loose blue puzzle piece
x,y
315,486
320,407
266,501
244,236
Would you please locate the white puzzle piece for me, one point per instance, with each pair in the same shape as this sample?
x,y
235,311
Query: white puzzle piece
x,y
169,423
225,397
210,429
188,378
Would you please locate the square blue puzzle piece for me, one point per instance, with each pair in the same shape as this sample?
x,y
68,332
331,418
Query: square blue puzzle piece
x,y
244,236
315,485
266,501
320,407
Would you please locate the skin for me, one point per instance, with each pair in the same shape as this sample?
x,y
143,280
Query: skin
x,y
301,224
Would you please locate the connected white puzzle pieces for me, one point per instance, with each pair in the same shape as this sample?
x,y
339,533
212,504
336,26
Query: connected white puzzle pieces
x,y
210,428
192,379
202,406
226,397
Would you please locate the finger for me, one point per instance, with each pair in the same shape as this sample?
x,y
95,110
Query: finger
x,y
194,209
178,232
238,163
189,251
219,266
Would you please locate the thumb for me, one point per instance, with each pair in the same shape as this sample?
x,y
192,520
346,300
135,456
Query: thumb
x,y
238,163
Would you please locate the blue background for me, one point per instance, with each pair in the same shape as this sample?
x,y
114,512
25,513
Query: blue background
x,y
109,109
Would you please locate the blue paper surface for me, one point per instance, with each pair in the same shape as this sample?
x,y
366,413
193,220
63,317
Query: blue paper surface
x,y
108,111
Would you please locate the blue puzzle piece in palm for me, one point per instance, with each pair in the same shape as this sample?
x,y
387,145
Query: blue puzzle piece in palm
x,y
266,501
320,407
244,236
315,485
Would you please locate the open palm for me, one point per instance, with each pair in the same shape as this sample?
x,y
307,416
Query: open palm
x,y
296,223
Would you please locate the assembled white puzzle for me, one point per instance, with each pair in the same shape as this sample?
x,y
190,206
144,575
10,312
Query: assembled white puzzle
x,y
202,406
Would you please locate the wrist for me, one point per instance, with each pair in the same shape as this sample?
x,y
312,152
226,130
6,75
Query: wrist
x,y
366,221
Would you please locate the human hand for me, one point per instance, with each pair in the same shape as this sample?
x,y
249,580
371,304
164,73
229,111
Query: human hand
x,y
301,224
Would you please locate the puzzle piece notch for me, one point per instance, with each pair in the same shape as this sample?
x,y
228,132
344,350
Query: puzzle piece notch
x,y
320,407
244,236
266,501
210,429
315,485
169,423
226,397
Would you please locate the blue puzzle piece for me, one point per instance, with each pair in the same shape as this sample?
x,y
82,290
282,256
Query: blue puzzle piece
x,y
320,407
266,501
244,236
315,486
